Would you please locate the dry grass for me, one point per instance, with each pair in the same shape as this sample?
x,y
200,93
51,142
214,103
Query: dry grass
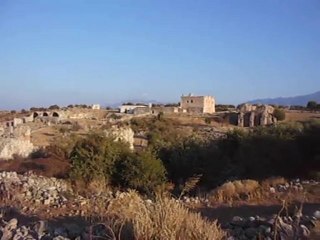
x,y
165,218
296,116
235,190
273,182
190,184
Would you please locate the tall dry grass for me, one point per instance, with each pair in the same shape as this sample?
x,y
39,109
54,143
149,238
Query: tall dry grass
x,y
165,218
236,190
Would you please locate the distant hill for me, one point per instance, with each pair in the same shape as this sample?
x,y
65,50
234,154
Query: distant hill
x,y
287,101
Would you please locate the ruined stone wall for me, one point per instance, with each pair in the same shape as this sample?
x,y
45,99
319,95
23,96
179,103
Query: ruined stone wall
x,y
251,115
124,134
16,142
209,105
141,110
166,110
155,110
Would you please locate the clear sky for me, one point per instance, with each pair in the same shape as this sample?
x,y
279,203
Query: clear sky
x,y
103,51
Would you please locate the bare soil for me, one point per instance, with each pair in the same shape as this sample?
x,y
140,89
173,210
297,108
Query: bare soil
x,y
49,167
301,116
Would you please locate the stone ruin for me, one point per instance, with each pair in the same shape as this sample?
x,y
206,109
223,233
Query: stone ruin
x,y
255,115
124,134
15,141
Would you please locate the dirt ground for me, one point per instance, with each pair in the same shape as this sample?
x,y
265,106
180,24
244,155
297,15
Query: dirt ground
x,y
297,116
49,167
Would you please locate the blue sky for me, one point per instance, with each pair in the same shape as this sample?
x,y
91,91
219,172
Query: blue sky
x,y
73,51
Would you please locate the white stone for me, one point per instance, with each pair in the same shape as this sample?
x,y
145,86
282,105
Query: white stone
x,y
11,146
124,134
316,214
19,144
272,190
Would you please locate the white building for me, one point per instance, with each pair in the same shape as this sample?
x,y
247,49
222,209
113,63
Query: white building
x,y
95,106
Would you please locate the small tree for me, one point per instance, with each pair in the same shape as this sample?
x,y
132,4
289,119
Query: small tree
x,y
141,171
54,107
312,105
279,114
93,158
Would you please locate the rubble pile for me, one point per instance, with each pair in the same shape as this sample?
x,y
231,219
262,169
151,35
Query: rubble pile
x,y
15,230
276,227
38,189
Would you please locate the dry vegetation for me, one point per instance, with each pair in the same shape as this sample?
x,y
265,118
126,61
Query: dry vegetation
x,y
163,218
251,192
297,116
231,191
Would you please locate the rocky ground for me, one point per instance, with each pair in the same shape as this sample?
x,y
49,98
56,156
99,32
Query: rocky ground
x,y
36,207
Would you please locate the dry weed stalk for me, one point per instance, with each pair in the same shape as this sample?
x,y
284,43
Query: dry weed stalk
x,y
190,184
276,221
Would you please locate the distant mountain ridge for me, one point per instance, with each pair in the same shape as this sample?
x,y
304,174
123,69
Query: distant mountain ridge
x,y
301,100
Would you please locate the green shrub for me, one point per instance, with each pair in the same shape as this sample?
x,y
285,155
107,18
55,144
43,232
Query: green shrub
x,y
312,105
98,158
94,157
279,114
141,171
288,150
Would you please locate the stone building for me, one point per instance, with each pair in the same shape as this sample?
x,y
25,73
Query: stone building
x,y
251,115
130,108
155,110
197,104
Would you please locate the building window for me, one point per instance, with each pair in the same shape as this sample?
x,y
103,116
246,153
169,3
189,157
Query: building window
x,y
191,101
187,101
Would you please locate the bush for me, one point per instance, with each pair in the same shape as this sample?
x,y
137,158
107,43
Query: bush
x,y
279,114
288,150
140,171
54,107
93,158
62,148
312,105
98,158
